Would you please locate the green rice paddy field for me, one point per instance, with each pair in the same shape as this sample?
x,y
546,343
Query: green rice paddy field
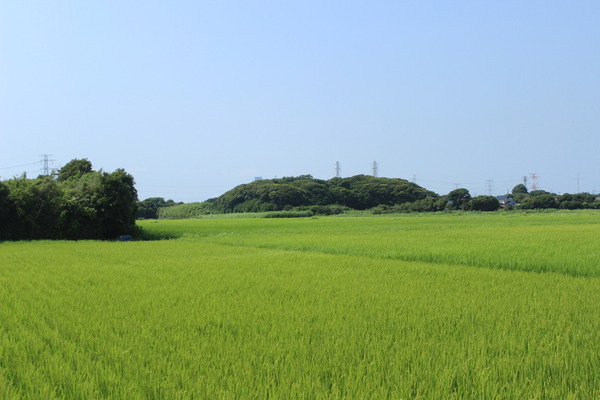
x,y
436,306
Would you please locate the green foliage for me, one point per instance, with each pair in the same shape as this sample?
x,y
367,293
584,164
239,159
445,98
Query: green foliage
x,y
577,201
74,169
538,192
289,214
520,189
365,191
331,209
458,199
188,210
7,213
484,203
264,195
116,202
540,201
428,204
79,212
148,209
519,197
36,204
358,192
79,204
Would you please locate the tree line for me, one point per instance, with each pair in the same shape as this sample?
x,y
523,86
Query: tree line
x,y
76,202
304,194
337,195
540,199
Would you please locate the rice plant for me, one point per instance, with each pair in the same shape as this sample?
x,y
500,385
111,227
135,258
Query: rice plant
x,y
304,309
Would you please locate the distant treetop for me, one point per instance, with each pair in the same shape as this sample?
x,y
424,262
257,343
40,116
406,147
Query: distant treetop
x,y
74,169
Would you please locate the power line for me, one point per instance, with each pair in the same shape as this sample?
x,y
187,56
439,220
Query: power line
x,y
21,165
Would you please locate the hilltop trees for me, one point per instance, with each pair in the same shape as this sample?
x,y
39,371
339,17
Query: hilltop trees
x,y
74,169
359,192
363,191
520,189
273,195
78,204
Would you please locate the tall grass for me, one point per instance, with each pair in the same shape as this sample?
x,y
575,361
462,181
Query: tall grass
x,y
188,210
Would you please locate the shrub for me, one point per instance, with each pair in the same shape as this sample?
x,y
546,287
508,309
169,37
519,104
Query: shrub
x,y
289,214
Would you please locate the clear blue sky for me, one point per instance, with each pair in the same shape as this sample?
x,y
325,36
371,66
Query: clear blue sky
x,y
195,97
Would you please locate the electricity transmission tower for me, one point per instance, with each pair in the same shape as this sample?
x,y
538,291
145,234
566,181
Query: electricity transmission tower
x,y
490,185
534,184
45,164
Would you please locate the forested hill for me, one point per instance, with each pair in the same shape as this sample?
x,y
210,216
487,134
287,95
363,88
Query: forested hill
x,y
358,192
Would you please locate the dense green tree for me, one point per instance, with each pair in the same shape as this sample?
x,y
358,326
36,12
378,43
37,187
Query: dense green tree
x,y
357,192
189,210
264,195
484,203
78,204
576,201
74,169
364,191
520,189
458,199
116,204
79,212
7,218
540,201
342,195
428,204
36,205
539,192
520,197
318,192
148,209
